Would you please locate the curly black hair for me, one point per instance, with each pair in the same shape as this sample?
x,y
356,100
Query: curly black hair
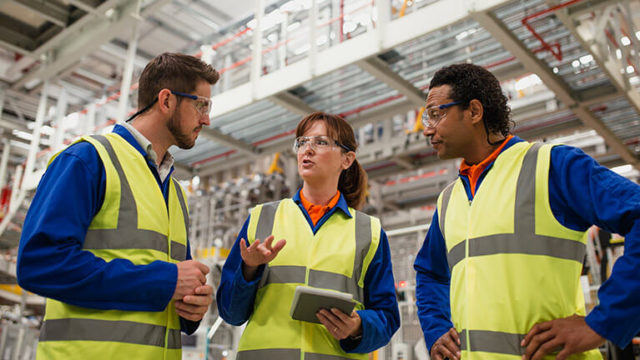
x,y
470,82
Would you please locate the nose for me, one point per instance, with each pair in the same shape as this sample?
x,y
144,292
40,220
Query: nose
x,y
308,147
429,131
205,120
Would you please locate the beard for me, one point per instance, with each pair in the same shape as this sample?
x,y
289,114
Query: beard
x,y
183,140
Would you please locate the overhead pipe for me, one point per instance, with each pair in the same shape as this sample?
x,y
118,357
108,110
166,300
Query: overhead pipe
x,y
546,46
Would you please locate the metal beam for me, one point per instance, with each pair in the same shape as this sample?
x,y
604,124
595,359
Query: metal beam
x,y
227,140
85,7
47,10
292,103
404,162
381,71
609,65
93,33
349,52
553,82
16,41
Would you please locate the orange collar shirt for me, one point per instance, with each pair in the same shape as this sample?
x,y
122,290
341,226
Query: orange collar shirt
x,y
474,172
316,212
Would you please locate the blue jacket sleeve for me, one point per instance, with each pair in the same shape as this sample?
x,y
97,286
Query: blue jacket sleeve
x,y
432,285
235,295
583,193
381,318
51,261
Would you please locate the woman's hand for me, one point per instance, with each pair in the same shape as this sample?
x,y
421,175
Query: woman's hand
x,y
339,324
257,254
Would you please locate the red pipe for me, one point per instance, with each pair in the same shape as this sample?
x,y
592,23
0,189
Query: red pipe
x,y
546,46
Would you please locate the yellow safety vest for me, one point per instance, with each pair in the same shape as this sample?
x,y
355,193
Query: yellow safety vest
x,y
133,223
336,257
512,263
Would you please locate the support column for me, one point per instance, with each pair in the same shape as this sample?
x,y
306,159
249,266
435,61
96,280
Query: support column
x,y
256,59
90,121
127,73
37,128
383,13
313,31
2,95
6,149
61,108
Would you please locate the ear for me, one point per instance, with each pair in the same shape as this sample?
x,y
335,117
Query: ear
x,y
348,159
166,102
475,106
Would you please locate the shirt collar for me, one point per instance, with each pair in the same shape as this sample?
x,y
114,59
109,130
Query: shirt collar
x,y
466,169
341,205
144,146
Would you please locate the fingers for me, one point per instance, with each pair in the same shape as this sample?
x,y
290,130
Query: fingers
x,y
268,241
340,315
547,348
446,352
193,313
538,328
198,300
204,290
454,335
447,346
202,267
536,342
335,327
202,278
279,245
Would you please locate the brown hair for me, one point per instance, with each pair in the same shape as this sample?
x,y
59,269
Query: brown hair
x,y
353,181
173,71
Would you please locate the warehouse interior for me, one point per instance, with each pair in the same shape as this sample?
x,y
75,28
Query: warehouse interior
x,y
571,71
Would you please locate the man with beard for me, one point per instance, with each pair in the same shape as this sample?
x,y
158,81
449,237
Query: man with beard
x,y
105,238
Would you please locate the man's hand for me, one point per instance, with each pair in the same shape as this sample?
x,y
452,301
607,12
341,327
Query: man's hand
x,y
568,335
257,254
447,346
193,307
191,274
339,324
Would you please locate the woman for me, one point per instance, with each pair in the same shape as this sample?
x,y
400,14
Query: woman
x,y
328,245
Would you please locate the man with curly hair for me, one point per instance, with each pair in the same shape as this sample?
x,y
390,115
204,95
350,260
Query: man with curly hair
x,y
498,275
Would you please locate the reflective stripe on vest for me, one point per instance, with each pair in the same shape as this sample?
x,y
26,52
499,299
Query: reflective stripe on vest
x,y
317,278
492,342
284,354
101,239
103,330
524,240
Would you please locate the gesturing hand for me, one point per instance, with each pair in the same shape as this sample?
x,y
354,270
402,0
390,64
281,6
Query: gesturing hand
x,y
260,253
339,324
568,335
193,307
447,346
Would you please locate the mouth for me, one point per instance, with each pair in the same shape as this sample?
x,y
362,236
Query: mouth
x,y
307,163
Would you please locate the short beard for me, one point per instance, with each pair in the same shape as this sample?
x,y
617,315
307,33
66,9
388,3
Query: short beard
x,y
183,141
